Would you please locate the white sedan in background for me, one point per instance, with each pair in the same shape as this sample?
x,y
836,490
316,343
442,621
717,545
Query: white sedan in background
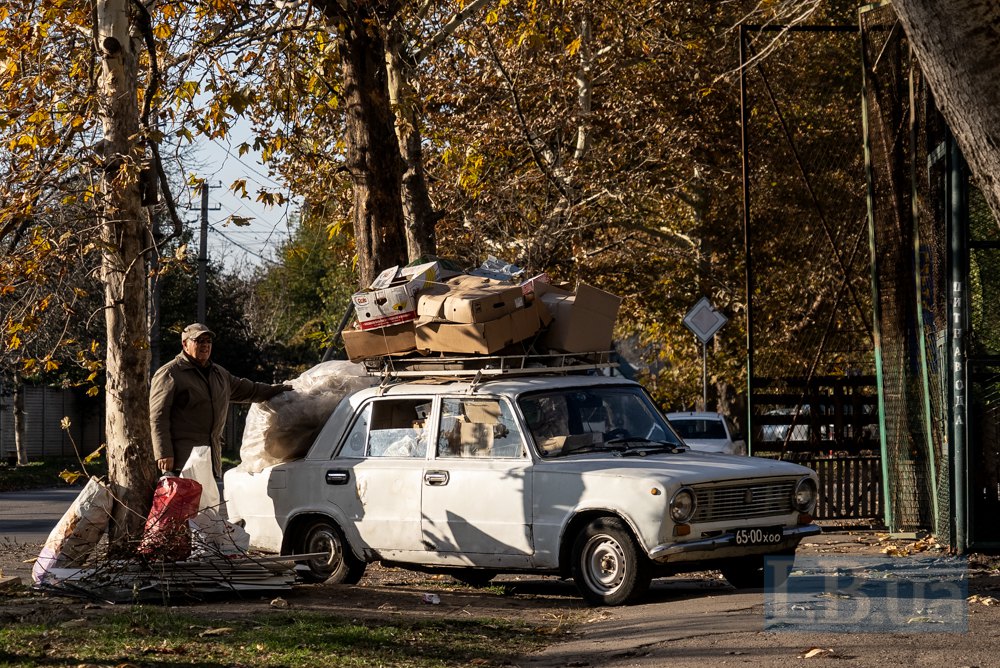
x,y
708,432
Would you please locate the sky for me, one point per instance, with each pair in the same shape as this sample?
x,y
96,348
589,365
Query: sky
x,y
234,246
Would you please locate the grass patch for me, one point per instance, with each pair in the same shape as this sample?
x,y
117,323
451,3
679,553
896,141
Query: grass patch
x,y
148,636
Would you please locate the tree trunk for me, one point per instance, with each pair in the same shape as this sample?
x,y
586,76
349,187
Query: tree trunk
x,y
373,158
20,430
419,216
956,45
131,468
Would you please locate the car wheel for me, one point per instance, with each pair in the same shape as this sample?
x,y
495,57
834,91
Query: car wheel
x,y
339,566
474,577
749,572
607,566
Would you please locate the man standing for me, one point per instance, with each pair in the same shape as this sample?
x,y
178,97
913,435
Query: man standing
x,y
189,400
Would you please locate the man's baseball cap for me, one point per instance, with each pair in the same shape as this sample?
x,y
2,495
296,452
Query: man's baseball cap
x,y
194,330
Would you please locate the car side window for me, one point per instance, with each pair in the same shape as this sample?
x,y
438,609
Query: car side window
x,y
476,427
354,444
391,428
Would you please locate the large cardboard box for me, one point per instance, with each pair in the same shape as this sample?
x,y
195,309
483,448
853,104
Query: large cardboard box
x,y
469,299
481,337
581,322
391,298
362,344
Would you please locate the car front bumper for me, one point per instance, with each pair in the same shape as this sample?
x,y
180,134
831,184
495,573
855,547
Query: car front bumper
x,y
724,546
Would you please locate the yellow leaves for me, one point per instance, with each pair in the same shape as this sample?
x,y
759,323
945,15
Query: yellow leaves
x,y
163,31
239,186
574,47
187,91
94,456
70,476
51,364
93,391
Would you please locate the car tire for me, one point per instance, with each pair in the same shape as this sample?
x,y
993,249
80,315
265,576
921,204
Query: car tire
x,y
749,572
608,567
340,567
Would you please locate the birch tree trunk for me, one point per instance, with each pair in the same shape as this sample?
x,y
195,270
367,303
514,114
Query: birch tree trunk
x,y
131,467
956,44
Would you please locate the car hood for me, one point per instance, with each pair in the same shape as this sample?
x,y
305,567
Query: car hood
x,y
687,467
707,444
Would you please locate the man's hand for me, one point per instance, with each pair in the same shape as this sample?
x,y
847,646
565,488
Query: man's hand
x,y
278,389
166,464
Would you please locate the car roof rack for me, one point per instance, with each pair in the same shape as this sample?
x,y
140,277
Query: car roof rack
x,y
481,367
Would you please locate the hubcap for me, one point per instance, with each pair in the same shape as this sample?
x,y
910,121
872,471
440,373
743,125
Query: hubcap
x,y
605,563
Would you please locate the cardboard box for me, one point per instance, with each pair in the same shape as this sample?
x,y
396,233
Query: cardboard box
x,y
581,322
528,287
391,298
361,344
481,337
469,299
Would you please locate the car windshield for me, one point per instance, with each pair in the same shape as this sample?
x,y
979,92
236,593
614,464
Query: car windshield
x,y
620,419
698,428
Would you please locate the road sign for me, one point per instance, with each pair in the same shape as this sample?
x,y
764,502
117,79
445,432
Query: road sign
x,y
704,320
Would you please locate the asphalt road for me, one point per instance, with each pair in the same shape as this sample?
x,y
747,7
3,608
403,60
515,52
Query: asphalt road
x,y
28,517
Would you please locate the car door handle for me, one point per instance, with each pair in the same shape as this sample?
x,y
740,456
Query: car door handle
x,y
338,477
436,478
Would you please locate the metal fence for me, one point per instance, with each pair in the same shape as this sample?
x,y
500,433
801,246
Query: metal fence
x,y
45,408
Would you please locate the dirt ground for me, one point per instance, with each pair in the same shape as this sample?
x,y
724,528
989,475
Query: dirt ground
x,y
389,592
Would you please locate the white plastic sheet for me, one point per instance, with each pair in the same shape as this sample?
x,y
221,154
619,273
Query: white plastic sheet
x,y
75,537
199,467
284,427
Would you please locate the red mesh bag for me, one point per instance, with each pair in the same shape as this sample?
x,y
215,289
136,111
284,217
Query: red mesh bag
x,y
167,537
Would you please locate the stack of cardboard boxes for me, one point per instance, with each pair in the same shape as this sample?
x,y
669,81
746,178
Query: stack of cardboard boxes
x,y
427,310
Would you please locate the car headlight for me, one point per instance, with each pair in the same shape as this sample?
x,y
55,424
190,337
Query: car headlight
x,y
682,505
804,497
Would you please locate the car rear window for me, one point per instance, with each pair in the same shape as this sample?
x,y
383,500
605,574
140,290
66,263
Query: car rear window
x,y
699,428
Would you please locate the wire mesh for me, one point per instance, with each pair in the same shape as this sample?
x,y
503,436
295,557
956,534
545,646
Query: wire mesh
x,y
908,179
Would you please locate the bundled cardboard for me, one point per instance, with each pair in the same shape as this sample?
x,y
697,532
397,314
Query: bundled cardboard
x,y
392,340
581,322
481,337
469,299
390,299
418,308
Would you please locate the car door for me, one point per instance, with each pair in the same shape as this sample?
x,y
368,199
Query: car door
x,y
477,489
377,477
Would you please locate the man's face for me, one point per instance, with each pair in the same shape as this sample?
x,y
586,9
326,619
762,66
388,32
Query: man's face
x,y
200,348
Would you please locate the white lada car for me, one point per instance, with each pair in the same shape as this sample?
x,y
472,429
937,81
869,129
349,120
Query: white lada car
x,y
572,475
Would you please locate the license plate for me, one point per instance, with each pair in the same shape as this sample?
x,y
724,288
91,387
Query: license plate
x,y
758,536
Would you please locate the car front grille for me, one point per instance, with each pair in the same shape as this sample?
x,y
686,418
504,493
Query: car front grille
x,y
736,502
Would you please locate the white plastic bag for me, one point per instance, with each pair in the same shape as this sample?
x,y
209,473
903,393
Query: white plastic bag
x,y
213,535
285,427
199,467
76,535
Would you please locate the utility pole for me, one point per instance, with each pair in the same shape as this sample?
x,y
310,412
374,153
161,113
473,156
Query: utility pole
x,y
203,251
